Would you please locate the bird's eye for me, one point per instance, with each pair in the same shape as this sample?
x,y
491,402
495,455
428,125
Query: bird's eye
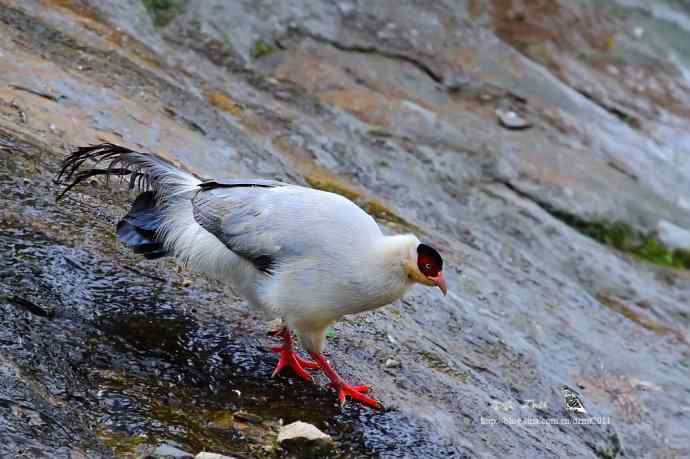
x,y
427,266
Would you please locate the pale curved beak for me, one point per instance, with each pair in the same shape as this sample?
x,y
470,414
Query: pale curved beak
x,y
440,282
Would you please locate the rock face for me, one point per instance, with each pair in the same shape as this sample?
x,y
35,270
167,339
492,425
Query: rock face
x,y
564,241
673,236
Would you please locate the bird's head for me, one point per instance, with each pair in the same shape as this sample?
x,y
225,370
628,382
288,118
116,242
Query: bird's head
x,y
425,266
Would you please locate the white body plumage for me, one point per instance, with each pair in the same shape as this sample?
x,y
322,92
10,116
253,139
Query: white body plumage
x,y
338,260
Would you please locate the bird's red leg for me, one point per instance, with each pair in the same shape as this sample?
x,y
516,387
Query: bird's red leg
x,y
289,358
344,390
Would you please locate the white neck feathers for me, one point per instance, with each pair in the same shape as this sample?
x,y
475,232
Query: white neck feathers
x,y
387,276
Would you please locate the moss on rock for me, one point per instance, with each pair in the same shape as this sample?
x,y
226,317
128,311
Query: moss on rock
x,y
261,49
625,238
163,11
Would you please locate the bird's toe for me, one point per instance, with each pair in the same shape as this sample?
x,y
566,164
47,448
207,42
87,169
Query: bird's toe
x,y
288,358
357,393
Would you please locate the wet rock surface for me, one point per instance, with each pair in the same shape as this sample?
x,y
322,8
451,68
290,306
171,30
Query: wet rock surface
x,y
395,106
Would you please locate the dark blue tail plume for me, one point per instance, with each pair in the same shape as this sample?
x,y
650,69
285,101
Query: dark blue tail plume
x,y
138,229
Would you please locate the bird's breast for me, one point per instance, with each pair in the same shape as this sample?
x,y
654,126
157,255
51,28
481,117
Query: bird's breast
x,y
309,293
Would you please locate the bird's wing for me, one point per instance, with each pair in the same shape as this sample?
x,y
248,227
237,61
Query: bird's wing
x,y
267,223
240,183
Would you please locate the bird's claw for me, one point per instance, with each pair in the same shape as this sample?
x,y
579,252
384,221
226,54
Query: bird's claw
x,y
302,361
357,393
288,358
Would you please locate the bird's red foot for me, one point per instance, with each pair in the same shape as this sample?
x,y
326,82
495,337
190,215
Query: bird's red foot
x,y
304,363
357,393
289,358
346,390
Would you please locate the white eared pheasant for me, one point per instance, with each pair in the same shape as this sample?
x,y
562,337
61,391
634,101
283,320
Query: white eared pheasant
x,y
306,256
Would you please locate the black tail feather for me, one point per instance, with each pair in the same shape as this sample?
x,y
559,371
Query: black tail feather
x,y
138,229
162,183
123,162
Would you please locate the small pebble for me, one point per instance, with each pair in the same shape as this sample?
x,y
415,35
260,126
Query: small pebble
x,y
392,363
516,15
207,455
304,439
170,451
486,97
511,120
274,325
